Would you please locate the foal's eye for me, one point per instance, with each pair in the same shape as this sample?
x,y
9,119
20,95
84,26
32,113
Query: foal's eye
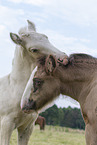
x,y
33,49
37,83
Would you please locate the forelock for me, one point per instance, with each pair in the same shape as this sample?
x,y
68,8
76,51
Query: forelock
x,y
23,31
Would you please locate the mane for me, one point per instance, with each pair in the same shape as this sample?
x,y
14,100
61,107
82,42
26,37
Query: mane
x,y
81,56
79,60
82,59
18,54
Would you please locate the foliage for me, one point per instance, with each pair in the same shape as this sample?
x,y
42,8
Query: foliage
x,y
67,117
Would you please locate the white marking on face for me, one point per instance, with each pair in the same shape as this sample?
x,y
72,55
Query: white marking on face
x,y
28,88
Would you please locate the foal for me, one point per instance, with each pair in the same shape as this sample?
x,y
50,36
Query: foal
x,y
77,79
30,45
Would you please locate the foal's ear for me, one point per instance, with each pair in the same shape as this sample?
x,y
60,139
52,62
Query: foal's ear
x,y
15,38
50,64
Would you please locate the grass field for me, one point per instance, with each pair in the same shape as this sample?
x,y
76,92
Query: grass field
x,y
53,136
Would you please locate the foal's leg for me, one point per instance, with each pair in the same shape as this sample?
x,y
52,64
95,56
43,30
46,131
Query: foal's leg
x,y
24,134
6,128
25,130
91,135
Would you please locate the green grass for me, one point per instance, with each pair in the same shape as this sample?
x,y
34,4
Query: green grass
x,y
53,135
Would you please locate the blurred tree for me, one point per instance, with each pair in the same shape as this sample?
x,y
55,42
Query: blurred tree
x,y
68,117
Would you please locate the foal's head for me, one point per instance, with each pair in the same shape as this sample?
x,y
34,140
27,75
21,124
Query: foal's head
x,y
43,86
33,43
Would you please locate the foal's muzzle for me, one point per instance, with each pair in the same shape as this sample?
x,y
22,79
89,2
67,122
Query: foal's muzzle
x,y
29,107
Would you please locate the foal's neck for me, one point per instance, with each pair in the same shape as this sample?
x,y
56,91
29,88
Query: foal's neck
x,y
76,80
22,65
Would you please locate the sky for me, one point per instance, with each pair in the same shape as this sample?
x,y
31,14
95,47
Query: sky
x,y
71,26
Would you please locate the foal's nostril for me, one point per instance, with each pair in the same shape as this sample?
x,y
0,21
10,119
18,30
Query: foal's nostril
x,y
30,105
30,100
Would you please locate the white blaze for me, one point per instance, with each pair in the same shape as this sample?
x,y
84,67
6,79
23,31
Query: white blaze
x,y
28,88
